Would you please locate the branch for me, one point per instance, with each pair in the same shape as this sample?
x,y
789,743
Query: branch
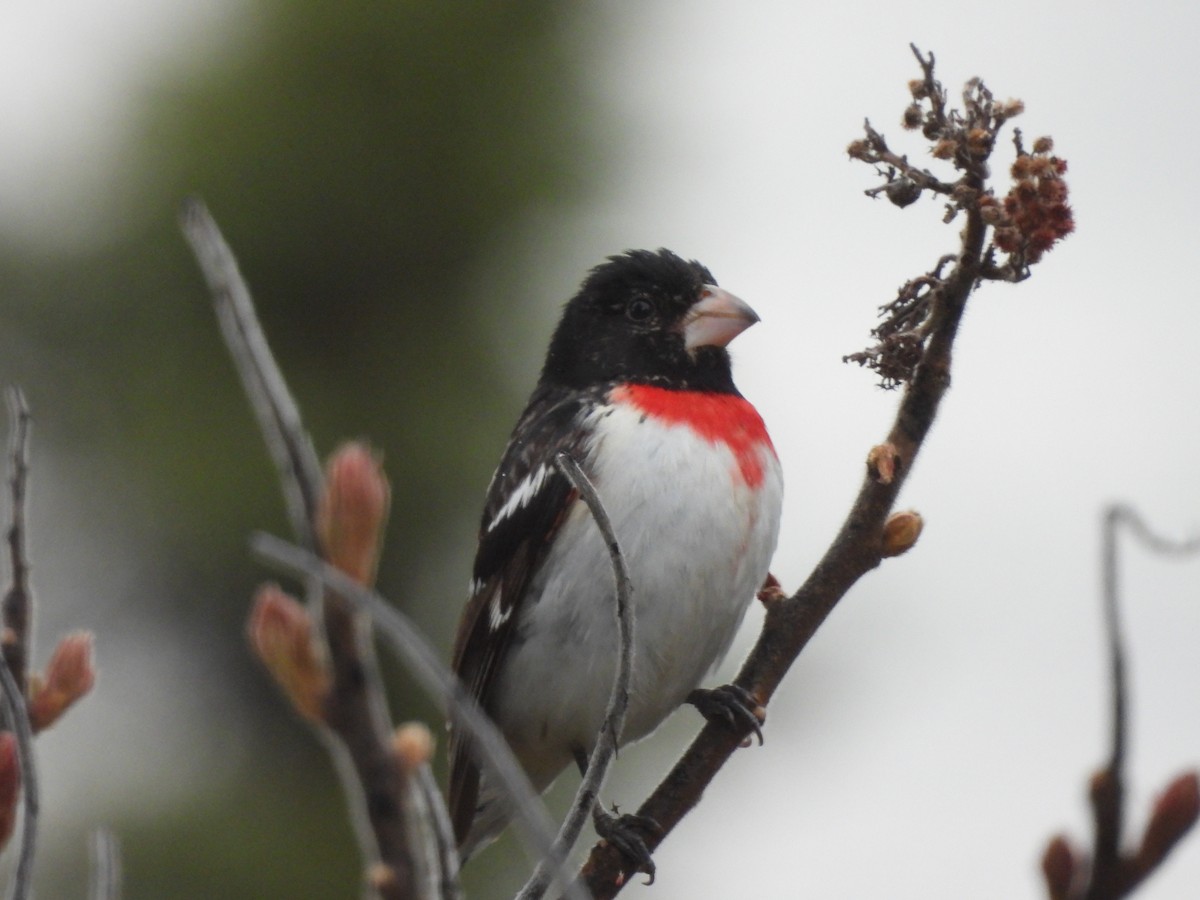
x,y
444,864
278,415
423,662
1107,787
608,739
18,599
1114,874
16,644
18,713
356,708
106,866
792,621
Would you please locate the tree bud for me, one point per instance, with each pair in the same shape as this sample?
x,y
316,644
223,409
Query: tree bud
x,y
353,511
901,531
69,675
280,631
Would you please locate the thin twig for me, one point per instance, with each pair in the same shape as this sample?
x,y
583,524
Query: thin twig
x,y
880,154
18,714
1107,787
1109,872
18,600
357,709
534,822
278,415
105,852
16,616
445,867
608,739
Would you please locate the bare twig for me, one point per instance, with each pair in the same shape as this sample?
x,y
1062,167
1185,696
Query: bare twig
x,y
443,864
618,699
897,166
1112,874
18,600
356,709
355,713
16,617
423,662
18,714
278,415
1107,787
105,852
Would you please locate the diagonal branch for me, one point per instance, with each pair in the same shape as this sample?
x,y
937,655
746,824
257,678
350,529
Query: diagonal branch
x,y
356,709
609,737
790,623
278,415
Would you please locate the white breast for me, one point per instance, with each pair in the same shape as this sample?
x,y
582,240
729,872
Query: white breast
x,y
697,539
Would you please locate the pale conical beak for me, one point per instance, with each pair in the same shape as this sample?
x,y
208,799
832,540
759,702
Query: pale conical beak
x,y
716,319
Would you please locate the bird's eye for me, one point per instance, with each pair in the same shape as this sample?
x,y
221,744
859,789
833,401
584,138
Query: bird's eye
x,y
639,309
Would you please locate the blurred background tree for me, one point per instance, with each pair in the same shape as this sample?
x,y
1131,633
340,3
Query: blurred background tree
x,y
375,167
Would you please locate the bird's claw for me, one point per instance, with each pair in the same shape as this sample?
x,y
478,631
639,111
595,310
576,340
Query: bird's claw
x,y
731,705
622,831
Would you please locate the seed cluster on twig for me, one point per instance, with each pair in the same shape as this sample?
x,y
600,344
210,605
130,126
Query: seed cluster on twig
x,y
1031,218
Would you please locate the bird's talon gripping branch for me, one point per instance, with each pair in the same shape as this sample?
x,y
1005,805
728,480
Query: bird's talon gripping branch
x,y
731,705
625,833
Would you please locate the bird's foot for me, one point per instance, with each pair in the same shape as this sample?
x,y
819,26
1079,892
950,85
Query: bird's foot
x,y
733,706
626,834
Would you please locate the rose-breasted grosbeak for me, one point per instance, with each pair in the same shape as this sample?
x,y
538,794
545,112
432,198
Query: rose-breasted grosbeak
x,y
637,388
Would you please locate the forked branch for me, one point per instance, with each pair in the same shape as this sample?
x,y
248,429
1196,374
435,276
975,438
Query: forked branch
x,y
1112,872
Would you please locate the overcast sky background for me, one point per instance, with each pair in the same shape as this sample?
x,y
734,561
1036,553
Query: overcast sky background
x,y
943,725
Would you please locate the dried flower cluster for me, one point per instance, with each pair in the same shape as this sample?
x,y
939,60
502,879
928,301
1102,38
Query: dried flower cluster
x,y
1035,215
1031,218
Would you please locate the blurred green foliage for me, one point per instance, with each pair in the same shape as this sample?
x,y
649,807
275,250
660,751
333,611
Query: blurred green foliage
x,y
364,161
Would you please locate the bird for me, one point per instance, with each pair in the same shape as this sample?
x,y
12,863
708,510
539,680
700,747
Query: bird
x,y
637,388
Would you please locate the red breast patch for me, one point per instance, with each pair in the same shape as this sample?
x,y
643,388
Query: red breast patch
x,y
719,418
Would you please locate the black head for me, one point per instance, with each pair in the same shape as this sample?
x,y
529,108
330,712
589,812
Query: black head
x,y
647,317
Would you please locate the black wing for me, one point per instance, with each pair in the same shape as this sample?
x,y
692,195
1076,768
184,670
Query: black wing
x,y
527,500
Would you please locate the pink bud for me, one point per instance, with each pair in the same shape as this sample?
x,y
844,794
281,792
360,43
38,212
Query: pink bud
x,y
69,675
10,785
353,511
1174,813
384,880
413,745
280,631
771,591
1059,866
